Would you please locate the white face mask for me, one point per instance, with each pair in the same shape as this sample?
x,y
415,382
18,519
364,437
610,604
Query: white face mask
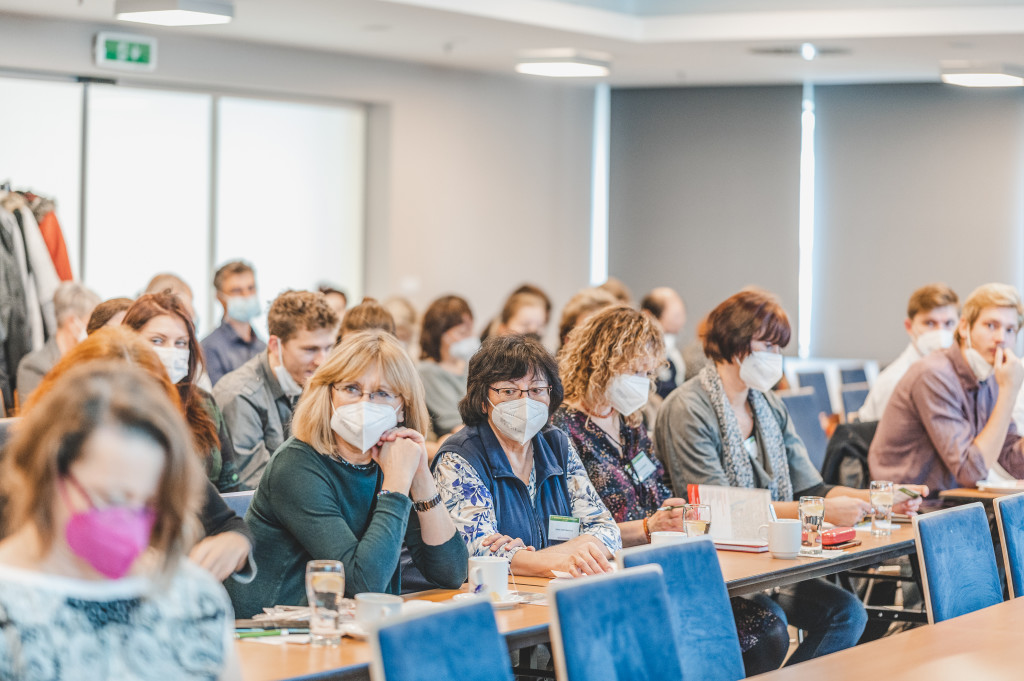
x,y
930,341
288,384
761,370
465,348
670,342
627,393
520,419
175,360
979,365
362,423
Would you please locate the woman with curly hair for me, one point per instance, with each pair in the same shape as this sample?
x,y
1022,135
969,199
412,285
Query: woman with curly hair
x,y
606,366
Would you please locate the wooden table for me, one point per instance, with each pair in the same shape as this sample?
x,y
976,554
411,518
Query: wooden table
x,y
523,626
980,645
965,495
526,625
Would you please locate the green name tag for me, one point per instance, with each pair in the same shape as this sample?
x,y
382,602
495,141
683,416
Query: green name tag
x,y
563,528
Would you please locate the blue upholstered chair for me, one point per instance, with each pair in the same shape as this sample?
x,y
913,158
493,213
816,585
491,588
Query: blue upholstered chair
x,y
854,396
615,627
1010,518
847,376
459,641
958,562
709,646
238,501
818,381
803,407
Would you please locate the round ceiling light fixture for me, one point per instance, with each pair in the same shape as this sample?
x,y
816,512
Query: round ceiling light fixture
x,y
564,63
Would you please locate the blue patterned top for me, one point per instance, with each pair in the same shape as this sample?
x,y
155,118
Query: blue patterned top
x,y
472,508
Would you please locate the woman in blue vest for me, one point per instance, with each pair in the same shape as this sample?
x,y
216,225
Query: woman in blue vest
x,y
513,484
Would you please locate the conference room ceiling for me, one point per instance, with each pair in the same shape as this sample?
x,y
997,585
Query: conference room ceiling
x,y
651,42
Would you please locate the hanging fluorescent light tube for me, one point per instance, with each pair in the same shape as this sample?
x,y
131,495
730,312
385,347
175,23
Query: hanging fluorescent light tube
x,y
564,63
969,74
175,12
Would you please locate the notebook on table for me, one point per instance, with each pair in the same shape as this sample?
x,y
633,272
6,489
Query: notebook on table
x,y
736,515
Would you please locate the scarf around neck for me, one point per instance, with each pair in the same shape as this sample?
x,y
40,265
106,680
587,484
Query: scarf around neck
x,y
735,458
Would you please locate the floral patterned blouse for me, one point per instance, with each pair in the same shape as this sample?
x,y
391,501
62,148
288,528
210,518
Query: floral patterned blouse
x,y
613,473
471,506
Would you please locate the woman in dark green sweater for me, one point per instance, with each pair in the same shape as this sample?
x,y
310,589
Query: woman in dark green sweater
x,y
352,483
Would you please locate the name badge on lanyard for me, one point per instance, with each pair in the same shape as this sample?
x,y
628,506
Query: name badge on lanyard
x,y
563,528
642,467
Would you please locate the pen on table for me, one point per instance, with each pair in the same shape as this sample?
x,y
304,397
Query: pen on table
x,y
269,632
672,508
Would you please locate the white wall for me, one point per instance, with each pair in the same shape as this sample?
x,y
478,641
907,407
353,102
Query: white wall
x,y
477,182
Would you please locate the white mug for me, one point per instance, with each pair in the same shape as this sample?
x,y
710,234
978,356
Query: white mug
x,y
488,575
371,607
667,537
783,537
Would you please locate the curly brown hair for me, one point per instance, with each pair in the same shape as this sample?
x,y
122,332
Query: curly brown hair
x,y
295,311
611,342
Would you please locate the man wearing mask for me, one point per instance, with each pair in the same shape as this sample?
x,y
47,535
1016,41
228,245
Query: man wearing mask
x,y
932,315
949,420
668,310
257,399
72,305
233,343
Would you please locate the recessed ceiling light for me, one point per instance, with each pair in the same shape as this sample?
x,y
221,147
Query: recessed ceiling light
x,y
972,74
806,51
564,63
175,12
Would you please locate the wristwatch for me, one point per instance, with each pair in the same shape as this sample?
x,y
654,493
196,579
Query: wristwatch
x,y
428,504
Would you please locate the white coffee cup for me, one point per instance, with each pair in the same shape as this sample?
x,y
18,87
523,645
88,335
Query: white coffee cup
x,y
667,537
783,537
371,607
488,575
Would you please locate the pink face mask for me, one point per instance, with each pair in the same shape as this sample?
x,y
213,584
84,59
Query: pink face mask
x,y
109,539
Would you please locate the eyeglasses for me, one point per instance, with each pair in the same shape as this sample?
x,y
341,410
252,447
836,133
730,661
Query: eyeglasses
x,y
538,393
353,392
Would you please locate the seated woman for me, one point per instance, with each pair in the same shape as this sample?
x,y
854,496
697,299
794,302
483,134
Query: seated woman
x,y
226,547
511,481
352,483
606,366
726,427
446,345
102,487
162,320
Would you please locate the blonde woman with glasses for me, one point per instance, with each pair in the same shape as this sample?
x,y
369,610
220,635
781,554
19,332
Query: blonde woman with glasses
x,y
352,483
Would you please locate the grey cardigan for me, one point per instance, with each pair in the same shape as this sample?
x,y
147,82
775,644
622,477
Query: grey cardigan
x,y
689,441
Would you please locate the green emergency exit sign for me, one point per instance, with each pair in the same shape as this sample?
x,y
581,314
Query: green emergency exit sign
x,y
125,52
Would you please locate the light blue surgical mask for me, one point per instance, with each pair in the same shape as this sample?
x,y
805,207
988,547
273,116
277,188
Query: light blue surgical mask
x,y
243,308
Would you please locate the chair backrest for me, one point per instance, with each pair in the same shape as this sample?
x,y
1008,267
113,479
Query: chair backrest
x,y
458,641
238,501
958,562
846,456
854,396
1010,519
853,376
613,628
709,645
803,408
5,430
817,380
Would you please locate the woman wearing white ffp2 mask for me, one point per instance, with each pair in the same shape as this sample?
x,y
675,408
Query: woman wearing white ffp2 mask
x,y
352,484
513,484
447,343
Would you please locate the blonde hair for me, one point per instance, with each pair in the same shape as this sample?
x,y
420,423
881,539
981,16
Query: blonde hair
x,y
356,353
53,435
604,346
990,295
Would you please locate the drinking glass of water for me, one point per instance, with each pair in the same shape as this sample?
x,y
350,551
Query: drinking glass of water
x,y
812,515
881,508
696,519
325,590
